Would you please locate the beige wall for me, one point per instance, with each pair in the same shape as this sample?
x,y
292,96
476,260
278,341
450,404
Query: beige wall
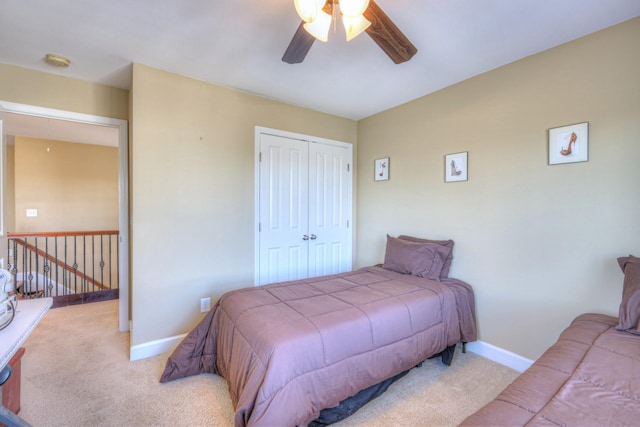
x,y
192,162
31,87
73,186
539,243
23,86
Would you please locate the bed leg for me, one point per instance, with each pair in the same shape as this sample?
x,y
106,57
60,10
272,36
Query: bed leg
x,y
447,355
464,346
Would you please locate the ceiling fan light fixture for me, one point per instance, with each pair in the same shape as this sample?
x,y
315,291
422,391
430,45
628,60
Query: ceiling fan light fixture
x,y
353,8
307,9
319,28
354,26
379,27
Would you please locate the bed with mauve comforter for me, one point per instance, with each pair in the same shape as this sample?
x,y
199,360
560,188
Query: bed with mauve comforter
x,y
589,377
289,350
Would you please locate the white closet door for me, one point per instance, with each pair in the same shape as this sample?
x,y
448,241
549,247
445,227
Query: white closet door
x,y
329,209
284,206
304,210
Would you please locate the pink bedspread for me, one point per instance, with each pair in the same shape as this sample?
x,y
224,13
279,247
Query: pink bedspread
x,y
290,350
589,377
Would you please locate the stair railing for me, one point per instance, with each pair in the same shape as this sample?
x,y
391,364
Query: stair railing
x,y
72,267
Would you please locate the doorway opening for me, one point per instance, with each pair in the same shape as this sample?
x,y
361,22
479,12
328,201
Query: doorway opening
x,y
42,123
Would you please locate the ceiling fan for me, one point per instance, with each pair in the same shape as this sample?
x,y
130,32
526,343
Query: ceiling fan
x,y
370,18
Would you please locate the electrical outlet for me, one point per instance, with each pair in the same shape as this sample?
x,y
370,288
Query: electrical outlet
x,y
205,305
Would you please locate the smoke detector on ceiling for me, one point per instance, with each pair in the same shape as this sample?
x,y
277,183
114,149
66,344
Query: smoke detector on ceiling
x,y
57,60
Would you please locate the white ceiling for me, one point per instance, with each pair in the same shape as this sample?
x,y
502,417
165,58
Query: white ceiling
x,y
59,130
239,44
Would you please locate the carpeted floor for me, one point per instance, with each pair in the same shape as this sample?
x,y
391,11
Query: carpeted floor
x,y
76,372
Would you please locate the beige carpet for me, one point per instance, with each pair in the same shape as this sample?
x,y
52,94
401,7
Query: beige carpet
x,y
76,372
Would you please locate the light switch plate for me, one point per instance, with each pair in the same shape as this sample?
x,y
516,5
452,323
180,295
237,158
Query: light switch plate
x,y
32,212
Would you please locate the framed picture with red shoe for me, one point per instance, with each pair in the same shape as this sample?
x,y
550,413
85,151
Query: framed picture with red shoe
x,y
569,144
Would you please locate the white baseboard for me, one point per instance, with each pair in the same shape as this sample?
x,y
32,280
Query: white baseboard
x,y
481,348
500,355
154,348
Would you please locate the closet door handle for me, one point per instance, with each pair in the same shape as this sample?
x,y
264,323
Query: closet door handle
x,y
313,237
305,237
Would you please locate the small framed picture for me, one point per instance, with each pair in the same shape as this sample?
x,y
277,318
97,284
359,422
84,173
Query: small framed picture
x,y
456,167
381,169
569,144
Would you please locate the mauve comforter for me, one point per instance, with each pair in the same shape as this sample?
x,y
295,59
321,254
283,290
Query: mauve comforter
x,y
291,349
589,377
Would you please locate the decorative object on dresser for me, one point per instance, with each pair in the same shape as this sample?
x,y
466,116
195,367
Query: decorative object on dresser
x,y
7,298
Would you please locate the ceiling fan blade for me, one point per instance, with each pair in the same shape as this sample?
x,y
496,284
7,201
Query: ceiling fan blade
x,y
299,46
389,37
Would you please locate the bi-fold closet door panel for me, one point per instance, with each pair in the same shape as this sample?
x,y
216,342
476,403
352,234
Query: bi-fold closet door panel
x,y
329,209
305,209
284,207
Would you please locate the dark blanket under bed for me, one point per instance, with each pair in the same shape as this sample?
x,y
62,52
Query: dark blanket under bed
x,y
350,405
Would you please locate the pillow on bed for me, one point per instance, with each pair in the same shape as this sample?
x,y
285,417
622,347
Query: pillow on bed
x,y
629,316
415,258
446,243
